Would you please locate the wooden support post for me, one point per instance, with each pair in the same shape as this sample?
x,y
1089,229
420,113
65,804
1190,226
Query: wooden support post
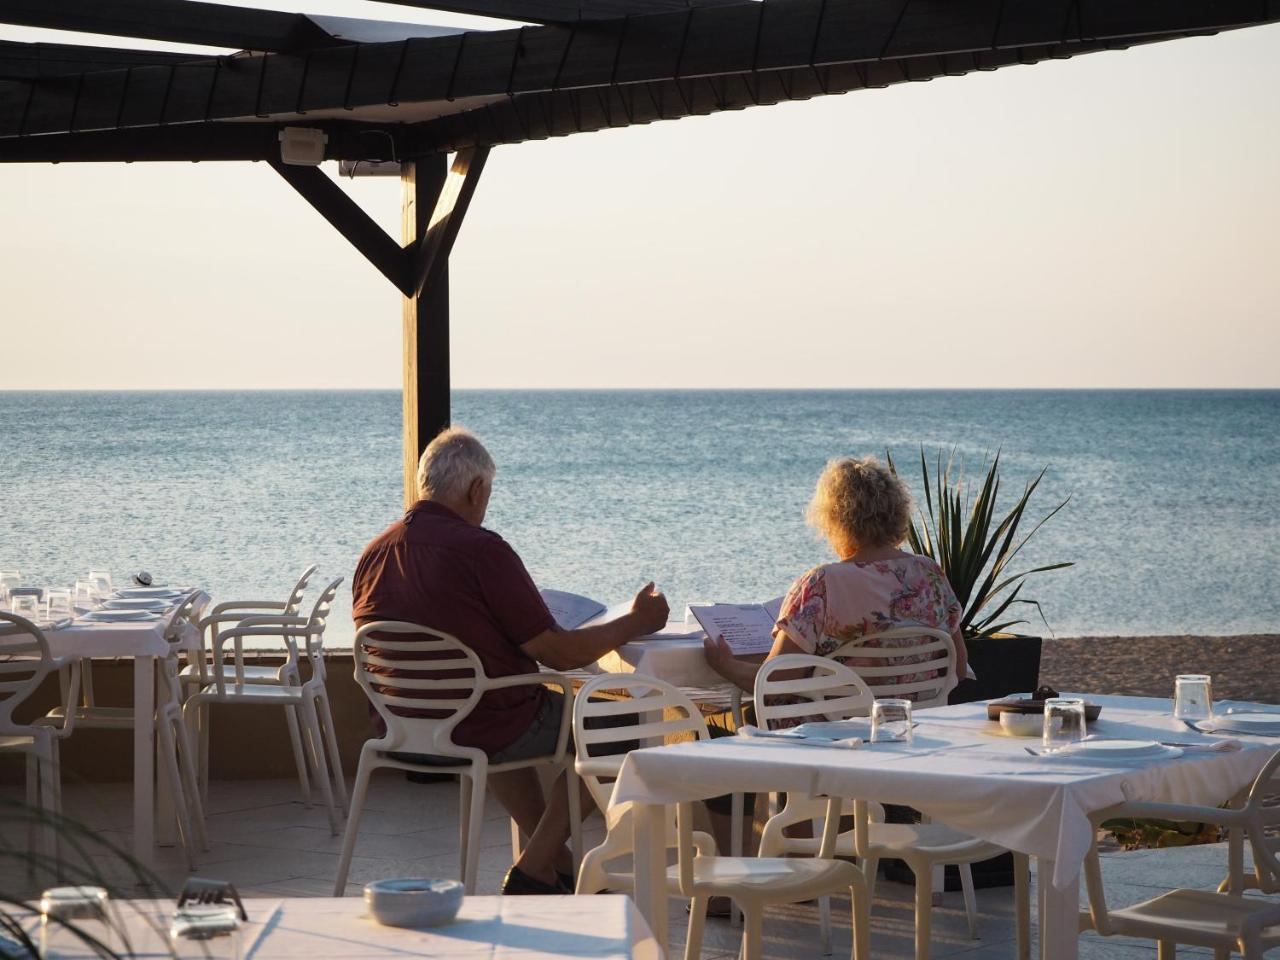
x,y
425,324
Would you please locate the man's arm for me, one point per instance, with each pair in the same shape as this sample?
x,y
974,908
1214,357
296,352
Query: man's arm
x,y
570,649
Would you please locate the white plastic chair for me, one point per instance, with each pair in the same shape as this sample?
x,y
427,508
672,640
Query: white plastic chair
x,y
25,661
659,710
307,703
434,672
835,691
939,654
174,752
1223,922
753,883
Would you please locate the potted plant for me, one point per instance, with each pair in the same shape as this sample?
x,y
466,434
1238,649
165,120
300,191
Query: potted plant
x,y
976,549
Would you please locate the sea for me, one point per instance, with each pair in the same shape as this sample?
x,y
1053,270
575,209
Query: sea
x,y
1171,522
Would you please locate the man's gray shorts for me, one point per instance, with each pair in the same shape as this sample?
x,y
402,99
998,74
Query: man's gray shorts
x,y
539,740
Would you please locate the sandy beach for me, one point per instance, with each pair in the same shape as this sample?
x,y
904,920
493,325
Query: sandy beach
x,y
1242,667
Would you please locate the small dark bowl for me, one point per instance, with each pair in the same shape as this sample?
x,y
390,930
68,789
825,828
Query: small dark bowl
x,y
1029,705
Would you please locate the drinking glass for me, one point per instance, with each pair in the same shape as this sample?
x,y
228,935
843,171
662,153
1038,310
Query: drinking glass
x,y
85,594
25,605
1193,697
101,579
57,604
84,908
890,721
1063,723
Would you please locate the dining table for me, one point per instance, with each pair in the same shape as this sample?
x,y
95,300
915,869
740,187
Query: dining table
x,y
961,770
320,928
142,641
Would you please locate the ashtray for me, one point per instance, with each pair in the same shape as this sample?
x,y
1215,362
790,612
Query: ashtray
x,y
413,901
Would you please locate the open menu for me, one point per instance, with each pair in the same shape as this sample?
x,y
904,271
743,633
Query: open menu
x,y
746,627
572,611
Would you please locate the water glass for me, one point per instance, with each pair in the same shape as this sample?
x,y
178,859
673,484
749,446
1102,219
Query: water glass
x,y
891,721
85,595
57,604
101,580
25,605
86,909
1063,723
1193,697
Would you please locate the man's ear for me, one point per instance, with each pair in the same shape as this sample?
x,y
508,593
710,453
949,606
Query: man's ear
x,y
475,492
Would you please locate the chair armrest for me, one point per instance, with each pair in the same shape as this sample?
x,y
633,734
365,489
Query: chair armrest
x,y
1174,811
247,605
541,679
261,626
609,766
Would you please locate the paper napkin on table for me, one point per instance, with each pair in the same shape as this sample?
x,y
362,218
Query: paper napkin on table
x,y
749,732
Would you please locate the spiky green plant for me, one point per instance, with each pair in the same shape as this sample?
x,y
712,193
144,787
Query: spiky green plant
x,y
974,548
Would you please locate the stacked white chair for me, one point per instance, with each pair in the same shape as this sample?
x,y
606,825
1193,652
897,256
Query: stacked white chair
x,y
446,678
307,701
25,662
830,689
1223,922
657,710
177,759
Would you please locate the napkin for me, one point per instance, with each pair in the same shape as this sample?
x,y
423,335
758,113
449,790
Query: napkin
x,y
1229,745
749,732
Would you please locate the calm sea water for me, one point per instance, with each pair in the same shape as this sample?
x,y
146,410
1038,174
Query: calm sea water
x,y
1173,522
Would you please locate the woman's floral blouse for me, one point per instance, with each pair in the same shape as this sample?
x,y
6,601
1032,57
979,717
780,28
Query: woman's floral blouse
x,y
850,601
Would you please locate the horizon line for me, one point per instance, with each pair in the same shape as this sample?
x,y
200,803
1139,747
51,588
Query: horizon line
x,y
656,389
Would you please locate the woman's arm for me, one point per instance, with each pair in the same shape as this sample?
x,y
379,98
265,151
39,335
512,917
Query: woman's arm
x,y
962,655
739,671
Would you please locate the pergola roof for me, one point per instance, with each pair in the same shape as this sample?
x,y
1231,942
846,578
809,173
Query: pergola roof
x,y
393,90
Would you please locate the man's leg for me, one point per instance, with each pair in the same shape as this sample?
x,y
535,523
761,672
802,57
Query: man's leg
x,y
544,822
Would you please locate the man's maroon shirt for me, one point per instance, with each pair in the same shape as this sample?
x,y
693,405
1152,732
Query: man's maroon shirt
x,y
433,568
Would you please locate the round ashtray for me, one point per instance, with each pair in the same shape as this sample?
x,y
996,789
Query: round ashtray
x,y
413,901
1022,724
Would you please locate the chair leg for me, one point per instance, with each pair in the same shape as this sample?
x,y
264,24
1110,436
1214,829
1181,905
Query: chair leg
x,y
861,903
167,755
517,841
464,823
475,823
939,883
752,948
574,787
1167,950
870,869
924,912
824,924
188,766
331,741
315,742
1022,903
33,802
697,920
970,901
358,792
299,757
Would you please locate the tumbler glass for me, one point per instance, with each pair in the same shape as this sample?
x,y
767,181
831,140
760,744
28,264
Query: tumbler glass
x,y
1063,723
57,604
72,919
101,580
205,932
25,605
890,721
1193,697
85,595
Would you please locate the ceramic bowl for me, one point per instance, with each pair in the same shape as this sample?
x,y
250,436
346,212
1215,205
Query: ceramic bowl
x,y
413,901
1022,724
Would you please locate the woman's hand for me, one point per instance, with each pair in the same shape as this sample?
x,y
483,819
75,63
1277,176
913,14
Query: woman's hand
x,y
719,656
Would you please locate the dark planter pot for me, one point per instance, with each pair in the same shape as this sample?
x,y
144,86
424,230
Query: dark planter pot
x,y
1003,666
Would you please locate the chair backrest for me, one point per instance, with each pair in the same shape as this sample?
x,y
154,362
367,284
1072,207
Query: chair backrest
x,y
891,662
294,603
24,663
1263,809
316,624
651,710
797,685
179,617
421,682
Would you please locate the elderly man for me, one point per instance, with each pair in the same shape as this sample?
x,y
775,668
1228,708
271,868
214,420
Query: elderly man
x,y
438,567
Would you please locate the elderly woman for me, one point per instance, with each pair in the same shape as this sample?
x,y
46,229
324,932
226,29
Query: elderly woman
x,y
864,512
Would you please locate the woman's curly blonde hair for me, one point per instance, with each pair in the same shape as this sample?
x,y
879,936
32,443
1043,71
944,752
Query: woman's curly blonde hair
x,y
860,504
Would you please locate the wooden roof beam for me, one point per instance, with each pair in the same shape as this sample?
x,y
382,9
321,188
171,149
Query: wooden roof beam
x,y
20,61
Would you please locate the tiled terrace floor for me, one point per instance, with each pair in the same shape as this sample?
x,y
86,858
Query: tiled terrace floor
x,y
271,845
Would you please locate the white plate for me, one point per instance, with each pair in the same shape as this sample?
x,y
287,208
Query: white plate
x,y
832,729
148,592
1119,751
131,603
120,616
1263,723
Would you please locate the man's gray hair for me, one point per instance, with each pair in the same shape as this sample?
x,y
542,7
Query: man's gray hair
x,y
451,461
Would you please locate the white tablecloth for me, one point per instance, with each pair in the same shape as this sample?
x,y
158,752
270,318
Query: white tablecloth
x,y
143,638
496,928
962,774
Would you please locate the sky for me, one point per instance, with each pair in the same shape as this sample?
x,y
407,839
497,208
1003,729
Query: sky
x,y
1104,221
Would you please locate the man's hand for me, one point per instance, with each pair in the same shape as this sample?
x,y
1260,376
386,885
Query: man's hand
x,y
650,610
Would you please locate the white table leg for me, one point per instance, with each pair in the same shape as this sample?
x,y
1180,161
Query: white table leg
x,y
651,868
144,756
1059,915
165,818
